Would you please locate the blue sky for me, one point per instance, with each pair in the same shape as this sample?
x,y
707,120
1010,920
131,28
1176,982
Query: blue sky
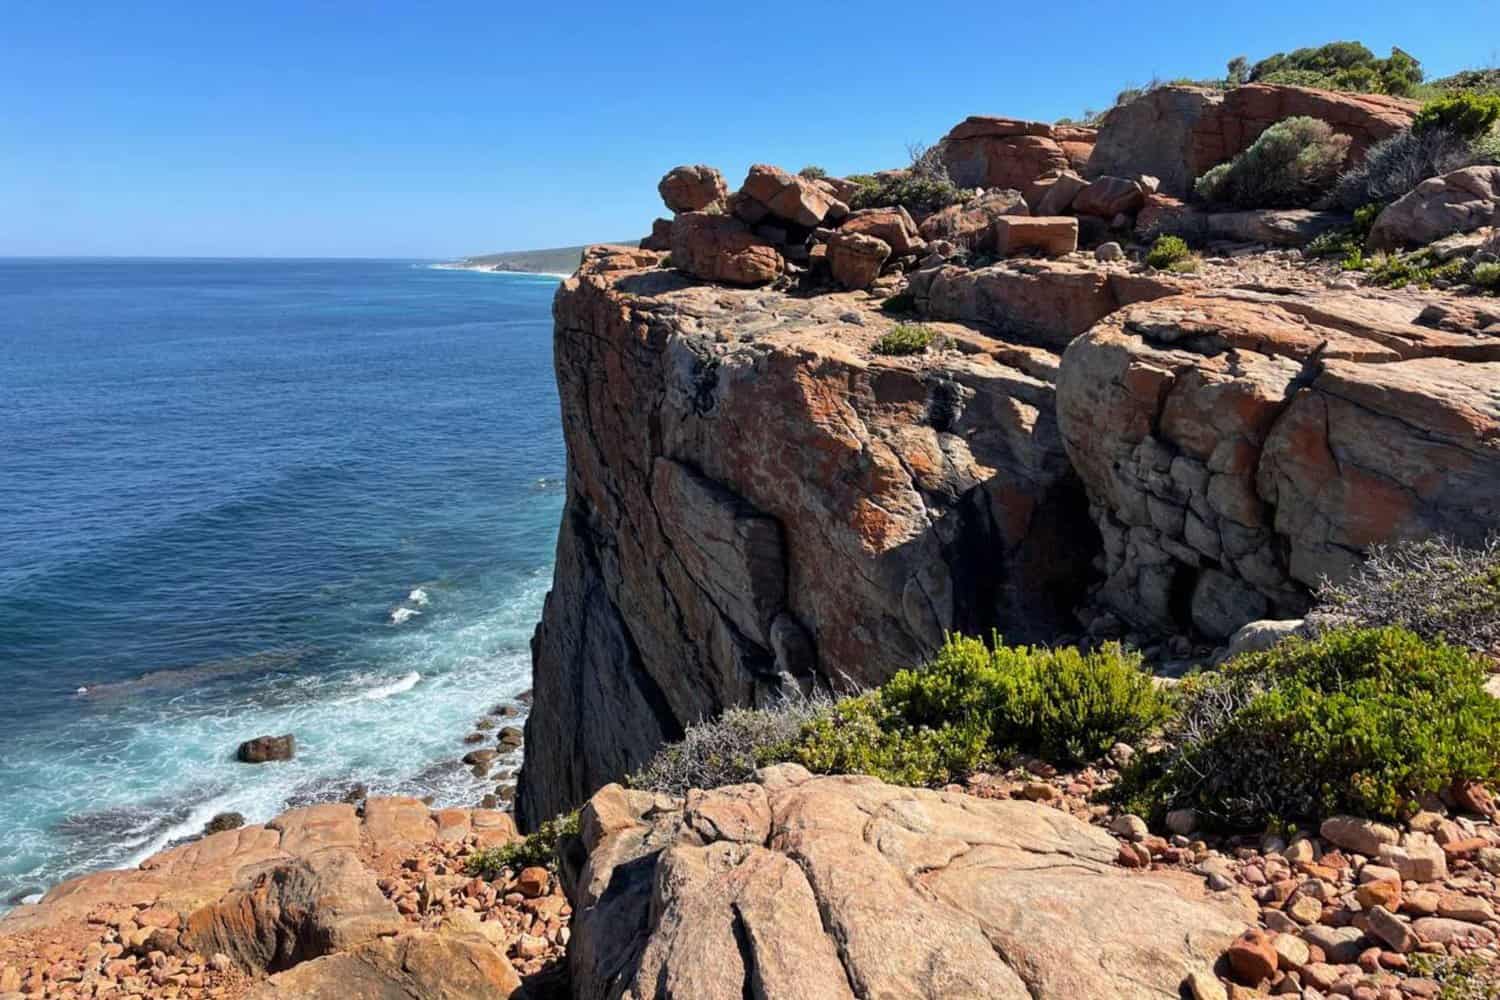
x,y
440,129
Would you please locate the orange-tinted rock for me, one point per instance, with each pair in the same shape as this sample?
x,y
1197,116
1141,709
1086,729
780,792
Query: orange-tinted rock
x,y
661,236
972,224
856,259
1108,197
1001,152
789,197
1457,202
721,248
1252,958
893,226
1051,235
693,189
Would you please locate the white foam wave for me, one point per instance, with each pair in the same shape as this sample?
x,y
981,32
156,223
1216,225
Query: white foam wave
x,y
384,691
402,614
418,596
197,818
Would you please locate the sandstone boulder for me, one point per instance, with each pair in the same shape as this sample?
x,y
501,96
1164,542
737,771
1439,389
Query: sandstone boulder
x,y
721,248
661,236
1176,133
693,189
856,888
1108,197
293,911
1053,193
412,966
990,152
893,226
972,224
267,748
1457,202
1052,235
856,259
789,197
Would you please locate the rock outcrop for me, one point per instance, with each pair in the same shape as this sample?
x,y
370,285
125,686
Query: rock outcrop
x,y
797,886
1176,133
1237,447
1459,202
990,152
727,450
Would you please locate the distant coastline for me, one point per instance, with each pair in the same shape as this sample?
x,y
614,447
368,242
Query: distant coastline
x,y
557,261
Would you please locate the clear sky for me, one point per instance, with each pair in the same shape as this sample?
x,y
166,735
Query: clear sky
x,y
415,129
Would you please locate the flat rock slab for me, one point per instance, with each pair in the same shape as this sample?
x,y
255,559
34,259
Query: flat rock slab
x,y
866,889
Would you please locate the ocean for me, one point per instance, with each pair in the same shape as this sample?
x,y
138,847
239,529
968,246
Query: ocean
x,y
246,497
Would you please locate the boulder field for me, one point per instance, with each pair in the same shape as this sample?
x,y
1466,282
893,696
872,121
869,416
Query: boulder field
x,y
759,503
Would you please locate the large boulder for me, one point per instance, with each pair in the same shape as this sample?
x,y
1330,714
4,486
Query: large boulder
x,y
989,152
1239,446
721,248
1049,235
972,224
1176,133
693,189
856,259
294,910
1108,197
1457,202
844,886
412,966
788,197
892,225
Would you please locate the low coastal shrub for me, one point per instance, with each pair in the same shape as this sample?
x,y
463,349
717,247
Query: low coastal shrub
x,y
1363,721
1345,241
1397,164
904,338
1290,165
976,702
812,172
539,848
909,190
726,750
1435,588
1166,251
1466,115
1486,276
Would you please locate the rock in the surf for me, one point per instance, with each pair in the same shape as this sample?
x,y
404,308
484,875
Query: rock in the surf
x,y
224,821
267,748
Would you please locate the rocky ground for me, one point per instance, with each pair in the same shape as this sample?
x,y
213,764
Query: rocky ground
x,y
324,901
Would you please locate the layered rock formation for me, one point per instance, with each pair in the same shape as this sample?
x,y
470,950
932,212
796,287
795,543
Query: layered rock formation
x,y
798,886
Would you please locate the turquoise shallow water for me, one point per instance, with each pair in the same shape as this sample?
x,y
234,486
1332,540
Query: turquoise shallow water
x,y
246,497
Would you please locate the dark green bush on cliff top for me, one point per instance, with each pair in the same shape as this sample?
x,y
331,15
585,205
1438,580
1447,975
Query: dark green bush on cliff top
x,y
1341,66
1467,115
539,848
1358,720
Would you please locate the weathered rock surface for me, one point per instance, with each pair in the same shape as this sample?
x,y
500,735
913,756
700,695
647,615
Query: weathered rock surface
x,y
972,225
1176,133
1237,447
936,484
788,197
1051,236
693,189
990,152
855,259
411,966
721,248
1457,202
844,887
262,749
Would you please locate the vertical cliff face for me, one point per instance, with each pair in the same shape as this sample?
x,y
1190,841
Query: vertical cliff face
x,y
758,504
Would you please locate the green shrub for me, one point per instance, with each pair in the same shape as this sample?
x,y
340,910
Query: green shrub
x,y
1167,250
861,735
539,848
1187,265
1065,705
1466,115
726,750
904,338
1346,241
1357,720
1341,66
1290,165
812,172
1486,276
906,189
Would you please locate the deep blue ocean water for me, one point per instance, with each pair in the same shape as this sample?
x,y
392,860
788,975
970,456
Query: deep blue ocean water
x,y
248,497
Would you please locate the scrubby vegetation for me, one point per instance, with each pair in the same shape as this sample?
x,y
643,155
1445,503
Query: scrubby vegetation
x,y
1450,133
1436,588
1166,251
1346,242
1397,270
812,172
923,187
1467,115
726,750
1290,165
1341,66
539,848
904,338
1357,720
1486,277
